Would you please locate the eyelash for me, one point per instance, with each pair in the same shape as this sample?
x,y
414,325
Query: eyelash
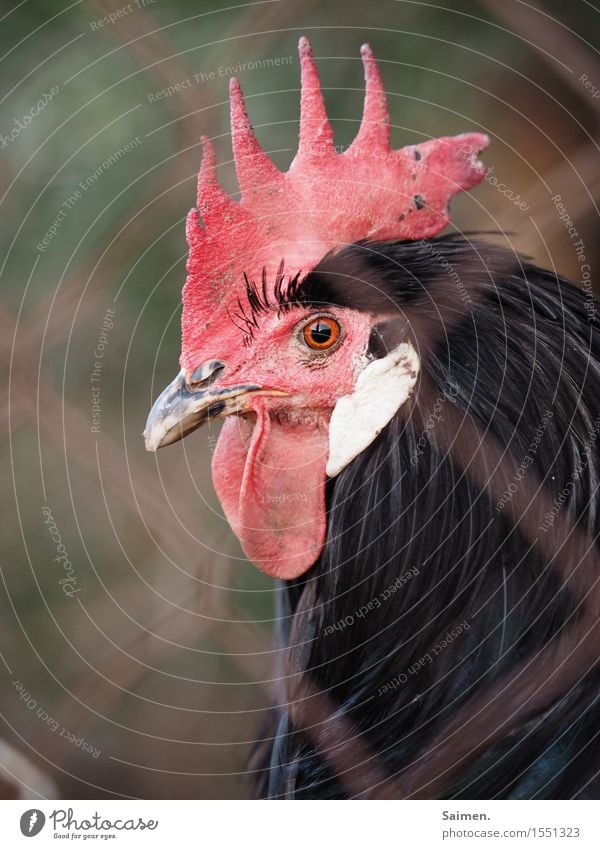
x,y
285,297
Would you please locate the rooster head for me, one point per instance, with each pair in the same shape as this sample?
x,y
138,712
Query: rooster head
x,y
272,342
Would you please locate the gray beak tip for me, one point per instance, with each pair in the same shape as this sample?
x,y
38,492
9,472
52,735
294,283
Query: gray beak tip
x,y
149,443
179,410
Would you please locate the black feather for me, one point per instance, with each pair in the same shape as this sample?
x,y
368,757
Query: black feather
x,y
511,346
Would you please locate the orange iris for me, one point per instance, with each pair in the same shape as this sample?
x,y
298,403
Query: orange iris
x,y
321,333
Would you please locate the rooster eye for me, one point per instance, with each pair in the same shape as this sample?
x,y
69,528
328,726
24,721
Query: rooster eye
x,y
321,333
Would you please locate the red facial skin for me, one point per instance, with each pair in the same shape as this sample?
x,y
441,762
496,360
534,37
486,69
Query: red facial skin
x,y
269,465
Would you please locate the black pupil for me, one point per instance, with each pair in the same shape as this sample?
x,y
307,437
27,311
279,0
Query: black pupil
x,y
321,333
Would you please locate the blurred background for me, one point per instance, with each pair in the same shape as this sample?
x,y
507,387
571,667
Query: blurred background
x,y
135,639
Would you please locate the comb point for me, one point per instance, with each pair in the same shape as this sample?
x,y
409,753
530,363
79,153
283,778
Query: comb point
x,y
323,201
253,167
304,48
316,135
374,130
207,176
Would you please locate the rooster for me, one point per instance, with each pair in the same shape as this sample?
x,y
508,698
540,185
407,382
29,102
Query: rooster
x,y
409,448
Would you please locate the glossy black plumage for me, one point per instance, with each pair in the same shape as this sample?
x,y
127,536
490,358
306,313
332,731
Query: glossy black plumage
x,y
516,349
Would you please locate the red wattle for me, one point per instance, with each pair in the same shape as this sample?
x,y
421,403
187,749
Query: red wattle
x,y
270,477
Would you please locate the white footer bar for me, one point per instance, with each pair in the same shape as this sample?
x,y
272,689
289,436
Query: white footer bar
x,y
300,825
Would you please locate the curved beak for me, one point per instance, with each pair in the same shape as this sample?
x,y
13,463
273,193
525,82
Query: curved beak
x,y
180,409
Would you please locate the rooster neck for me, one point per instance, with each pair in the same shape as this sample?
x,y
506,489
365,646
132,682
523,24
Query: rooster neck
x,y
398,656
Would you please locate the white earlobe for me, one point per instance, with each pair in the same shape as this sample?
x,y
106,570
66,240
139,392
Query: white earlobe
x,y
381,389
